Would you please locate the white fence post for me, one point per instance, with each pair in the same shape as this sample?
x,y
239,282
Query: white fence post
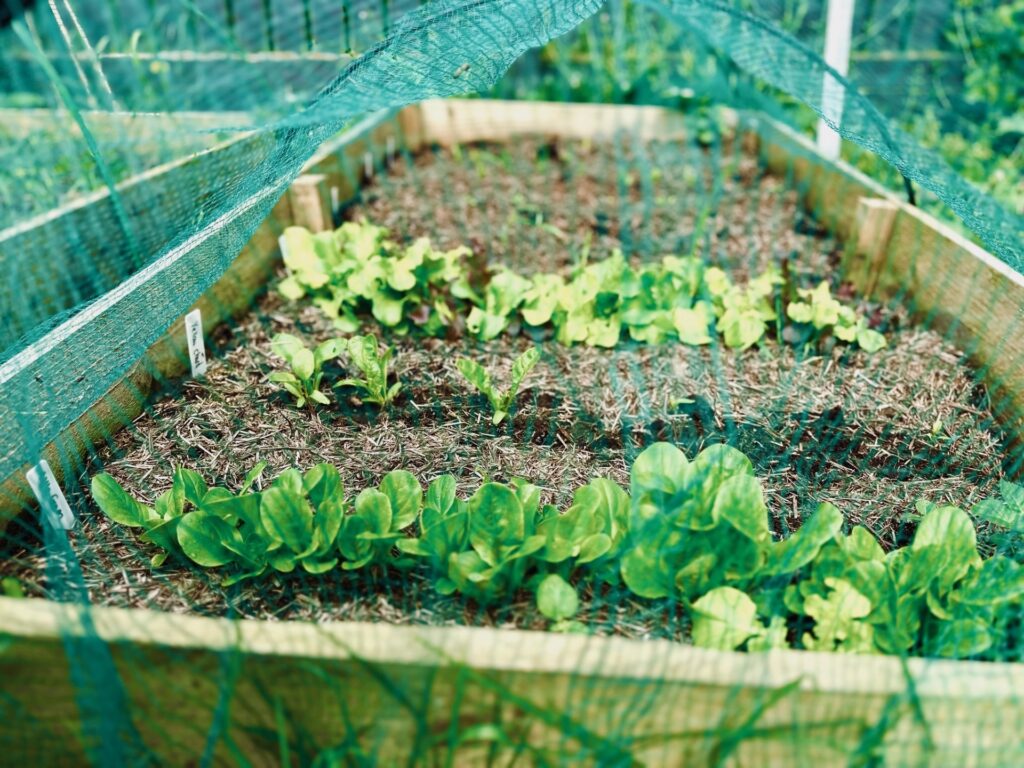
x,y
838,29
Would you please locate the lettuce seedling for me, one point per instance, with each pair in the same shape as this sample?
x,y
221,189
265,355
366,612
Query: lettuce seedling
x,y
592,530
366,356
743,311
824,313
501,400
557,599
301,516
444,530
1006,510
303,380
694,525
502,522
369,534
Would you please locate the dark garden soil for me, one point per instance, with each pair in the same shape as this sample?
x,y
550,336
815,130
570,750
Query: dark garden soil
x,y
870,433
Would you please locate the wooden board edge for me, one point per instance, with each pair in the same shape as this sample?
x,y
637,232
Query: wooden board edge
x,y
486,648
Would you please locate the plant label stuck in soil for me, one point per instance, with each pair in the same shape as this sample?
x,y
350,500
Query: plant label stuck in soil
x,y
44,485
196,348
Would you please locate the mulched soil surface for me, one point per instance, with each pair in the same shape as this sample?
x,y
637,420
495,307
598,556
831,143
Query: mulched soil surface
x,y
870,433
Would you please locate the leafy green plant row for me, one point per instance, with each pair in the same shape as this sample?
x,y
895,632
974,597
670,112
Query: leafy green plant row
x,y
305,372
696,532
357,269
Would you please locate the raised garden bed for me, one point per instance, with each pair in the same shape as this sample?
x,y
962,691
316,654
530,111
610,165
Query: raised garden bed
x,y
587,412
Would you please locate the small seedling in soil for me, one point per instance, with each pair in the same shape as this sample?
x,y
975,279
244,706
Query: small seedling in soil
x,y
501,400
303,380
366,356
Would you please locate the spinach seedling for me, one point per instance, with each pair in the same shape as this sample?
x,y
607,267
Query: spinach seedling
x,y
501,400
366,356
303,380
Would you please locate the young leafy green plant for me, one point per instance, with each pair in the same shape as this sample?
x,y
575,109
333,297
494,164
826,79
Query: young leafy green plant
x,y
444,531
501,400
302,381
367,357
696,531
300,517
371,532
558,601
502,537
823,313
358,270
1006,510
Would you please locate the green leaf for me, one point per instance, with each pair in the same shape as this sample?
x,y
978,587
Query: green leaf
x,y
643,571
496,520
285,345
375,509
951,542
441,494
740,502
960,638
192,485
775,637
1013,496
285,513
322,484
556,598
476,375
741,330
163,533
170,503
387,309
691,325
837,617
521,368
327,350
200,536
995,511
697,574
593,547
252,476
11,587
405,495
870,341
724,619
115,503
316,565
803,545
999,580
658,467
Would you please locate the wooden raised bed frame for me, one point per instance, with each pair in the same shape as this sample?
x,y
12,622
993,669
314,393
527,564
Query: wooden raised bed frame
x,y
229,689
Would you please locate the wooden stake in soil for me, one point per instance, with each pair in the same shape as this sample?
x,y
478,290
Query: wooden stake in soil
x,y
311,203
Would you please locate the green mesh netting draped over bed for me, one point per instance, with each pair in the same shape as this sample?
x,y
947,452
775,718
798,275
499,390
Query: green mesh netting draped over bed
x,y
720,437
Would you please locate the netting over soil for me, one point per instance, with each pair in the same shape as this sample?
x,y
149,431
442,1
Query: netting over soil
x,y
818,451
870,433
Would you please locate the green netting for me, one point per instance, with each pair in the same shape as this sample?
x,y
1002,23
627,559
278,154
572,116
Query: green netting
x,y
662,468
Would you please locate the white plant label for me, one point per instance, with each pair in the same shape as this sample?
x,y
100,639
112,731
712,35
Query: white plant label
x,y
44,486
335,203
368,165
391,150
196,347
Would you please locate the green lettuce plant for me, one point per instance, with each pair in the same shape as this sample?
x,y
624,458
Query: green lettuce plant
x,y
378,518
501,400
365,354
358,270
822,312
692,531
302,380
502,537
1005,510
